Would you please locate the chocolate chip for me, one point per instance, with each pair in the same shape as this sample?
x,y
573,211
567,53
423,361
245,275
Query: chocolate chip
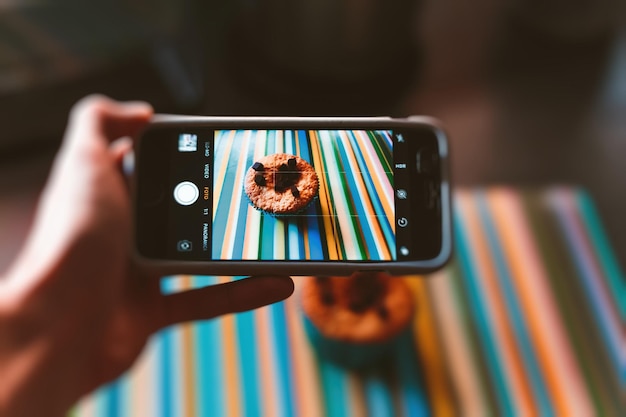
x,y
285,178
326,290
259,179
382,311
257,166
294,191
292,163
365,291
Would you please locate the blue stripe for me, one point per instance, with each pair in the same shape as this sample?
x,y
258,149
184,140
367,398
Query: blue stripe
x,y
606,257
283,358
476,304
101,402
249,375
288,142
385,223
110,399
208,357
515,314
268,224
411,385
378,398
612,342
315,237
335,390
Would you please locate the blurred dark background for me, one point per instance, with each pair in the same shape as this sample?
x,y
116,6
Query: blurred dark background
x,y
532,93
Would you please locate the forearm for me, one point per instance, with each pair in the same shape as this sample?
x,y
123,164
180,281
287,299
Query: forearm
x,y
32,381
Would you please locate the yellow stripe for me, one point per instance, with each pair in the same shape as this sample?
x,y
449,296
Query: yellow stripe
x,y
279,240
429,349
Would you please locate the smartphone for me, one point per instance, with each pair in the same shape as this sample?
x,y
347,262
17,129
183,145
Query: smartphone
x,y
297,196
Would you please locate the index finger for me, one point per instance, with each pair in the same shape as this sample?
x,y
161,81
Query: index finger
x,y
105,119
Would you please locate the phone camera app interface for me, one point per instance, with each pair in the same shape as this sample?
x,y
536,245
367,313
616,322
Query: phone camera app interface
x,y
335,195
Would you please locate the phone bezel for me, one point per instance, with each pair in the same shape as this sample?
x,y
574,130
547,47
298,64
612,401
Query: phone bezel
x,y
291,267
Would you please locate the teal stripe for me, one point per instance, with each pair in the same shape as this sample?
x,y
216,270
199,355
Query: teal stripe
x,y
592,284
477,306
608,261
288,141
334,389
378,397
516,316
283,359
268,224
414,395
208,357
100,402
249,374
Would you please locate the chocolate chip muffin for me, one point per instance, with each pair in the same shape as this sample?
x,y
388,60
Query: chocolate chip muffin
x,y
281,184
357,320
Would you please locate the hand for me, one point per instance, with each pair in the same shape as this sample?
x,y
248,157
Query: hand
x,y
74,310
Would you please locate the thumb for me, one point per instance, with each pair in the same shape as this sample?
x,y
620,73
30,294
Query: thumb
x,y
231,297
105,119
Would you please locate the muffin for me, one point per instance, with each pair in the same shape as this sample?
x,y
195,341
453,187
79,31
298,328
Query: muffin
x,y
281,184
356,321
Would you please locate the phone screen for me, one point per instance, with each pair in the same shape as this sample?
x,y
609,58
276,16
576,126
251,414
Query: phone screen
x,y
371,195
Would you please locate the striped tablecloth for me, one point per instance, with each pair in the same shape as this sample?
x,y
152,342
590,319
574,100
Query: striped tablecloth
x,y
527,320
337,226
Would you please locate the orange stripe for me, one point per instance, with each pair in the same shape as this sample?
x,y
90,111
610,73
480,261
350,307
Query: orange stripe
x,y
503,333
267,370
188,372
545,326
305,373
430,351
324,198
231,363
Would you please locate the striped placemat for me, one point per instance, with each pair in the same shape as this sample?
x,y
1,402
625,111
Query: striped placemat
x,y
527,320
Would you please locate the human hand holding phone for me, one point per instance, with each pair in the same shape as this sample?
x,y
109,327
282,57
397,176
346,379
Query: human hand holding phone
x,y
75,311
